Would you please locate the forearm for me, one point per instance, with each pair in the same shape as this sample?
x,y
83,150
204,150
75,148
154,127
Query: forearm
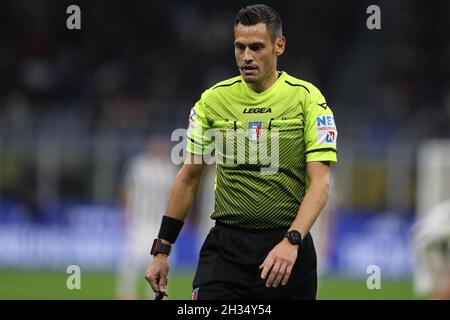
x,y
181,196
314,201
180,200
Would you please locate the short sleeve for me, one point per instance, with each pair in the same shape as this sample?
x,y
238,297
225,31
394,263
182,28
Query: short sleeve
x,y
320,130
198,125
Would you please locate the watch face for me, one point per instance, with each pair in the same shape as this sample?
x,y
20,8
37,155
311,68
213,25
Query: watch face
x,y
294,237
159,247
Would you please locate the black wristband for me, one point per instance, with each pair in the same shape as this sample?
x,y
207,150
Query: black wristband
x,y
170,229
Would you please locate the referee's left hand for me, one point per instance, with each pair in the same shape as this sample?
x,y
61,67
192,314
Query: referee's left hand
x,y
278,264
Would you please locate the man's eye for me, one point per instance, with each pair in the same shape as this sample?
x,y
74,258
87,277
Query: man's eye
x,y
256,47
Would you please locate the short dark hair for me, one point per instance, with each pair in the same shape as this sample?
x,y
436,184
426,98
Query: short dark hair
x,y
256,13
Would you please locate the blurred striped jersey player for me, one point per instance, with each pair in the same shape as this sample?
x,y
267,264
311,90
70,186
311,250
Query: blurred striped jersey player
x,y
147,184
432,246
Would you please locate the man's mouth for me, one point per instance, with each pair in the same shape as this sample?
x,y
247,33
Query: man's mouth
x,y
249,68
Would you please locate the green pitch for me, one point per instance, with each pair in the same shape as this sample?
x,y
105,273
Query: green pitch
x,y
52,285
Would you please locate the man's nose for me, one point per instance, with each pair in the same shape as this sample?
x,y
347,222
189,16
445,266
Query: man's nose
x,y
248,58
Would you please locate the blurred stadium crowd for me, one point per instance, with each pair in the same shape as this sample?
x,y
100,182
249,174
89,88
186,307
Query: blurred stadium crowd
x,y
137,67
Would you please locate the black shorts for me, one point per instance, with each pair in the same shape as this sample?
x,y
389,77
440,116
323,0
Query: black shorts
x,y
229,262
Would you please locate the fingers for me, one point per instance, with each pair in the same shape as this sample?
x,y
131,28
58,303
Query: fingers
x,y
266,265
152,279
287,274
279,276
273,274
275,271
277,266
264,262
158,284
157,277
163,283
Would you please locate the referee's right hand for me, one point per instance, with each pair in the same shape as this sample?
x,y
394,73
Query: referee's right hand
x,y
157,274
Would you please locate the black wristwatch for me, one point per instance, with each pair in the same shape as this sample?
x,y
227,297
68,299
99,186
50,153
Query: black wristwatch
x,y
294,237
159,247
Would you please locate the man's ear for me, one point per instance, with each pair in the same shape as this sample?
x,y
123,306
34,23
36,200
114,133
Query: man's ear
x,y
280,45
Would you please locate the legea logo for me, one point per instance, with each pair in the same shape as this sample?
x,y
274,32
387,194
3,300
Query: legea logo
x,y
257,110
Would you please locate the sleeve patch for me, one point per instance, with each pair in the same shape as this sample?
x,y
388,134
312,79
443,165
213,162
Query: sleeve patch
x,y
192,114
326,130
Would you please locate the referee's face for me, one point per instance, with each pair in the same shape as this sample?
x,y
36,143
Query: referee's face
x,y
256,54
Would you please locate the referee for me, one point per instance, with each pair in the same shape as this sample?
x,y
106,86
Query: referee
x,y
260,246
